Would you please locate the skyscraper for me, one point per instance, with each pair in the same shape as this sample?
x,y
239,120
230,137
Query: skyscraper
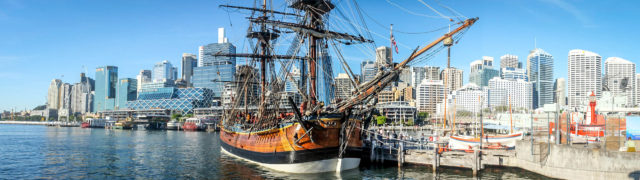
x,y
514,73
368,70
540,71
637,87
127,91
325,78
417,75
517,93
142,78
454,78
293,81
383,56
81,96
189,61
509,60
105,93
343,86
482,71
616,72
428,94
585,74
53,95
213,71
65,100
560,95
163,70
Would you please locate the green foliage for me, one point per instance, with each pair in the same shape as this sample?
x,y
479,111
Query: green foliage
x,y
176,116
189,115
409,122
381,120
41,107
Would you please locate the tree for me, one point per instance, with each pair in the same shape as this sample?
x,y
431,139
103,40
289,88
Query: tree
x,y
189,115
409,122
176,116
381,120
41,107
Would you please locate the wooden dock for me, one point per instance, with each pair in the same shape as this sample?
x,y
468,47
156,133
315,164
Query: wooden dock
x,y
430,154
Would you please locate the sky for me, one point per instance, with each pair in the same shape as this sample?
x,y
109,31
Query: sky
x,y
43,40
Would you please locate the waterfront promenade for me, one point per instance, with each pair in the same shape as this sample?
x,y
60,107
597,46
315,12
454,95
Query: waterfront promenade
x,y
25,122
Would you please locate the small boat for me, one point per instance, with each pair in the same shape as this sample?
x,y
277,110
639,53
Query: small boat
x,y
492,142
123,125
96,123
173,125
196,124
152,122
85,124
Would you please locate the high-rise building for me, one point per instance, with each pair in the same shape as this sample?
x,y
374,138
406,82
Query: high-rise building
x,y
453,76
53,95
127,91
183,100
325,89
540,71
213,71
383,56
343,86
81,96
619,78
105,93
65,98
293,80
467,98
482,71
189,61
163,70
585,76
428,94
142,78
368,70
432,73
509,61
560,95
206,53
637,87
514,73
417,75
405,75
517,93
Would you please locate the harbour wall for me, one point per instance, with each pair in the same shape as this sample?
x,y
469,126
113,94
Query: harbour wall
x,y
24,122
567,162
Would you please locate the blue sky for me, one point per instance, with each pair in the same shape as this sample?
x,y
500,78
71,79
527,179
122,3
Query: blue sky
x,y
42,40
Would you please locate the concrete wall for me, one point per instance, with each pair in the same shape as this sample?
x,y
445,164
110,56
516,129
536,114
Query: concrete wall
x,y
576,163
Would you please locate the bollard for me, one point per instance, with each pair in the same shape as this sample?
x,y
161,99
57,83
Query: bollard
x,y
474,167
435,160
373,151
400,155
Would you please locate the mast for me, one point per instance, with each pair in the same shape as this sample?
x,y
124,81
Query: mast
x,y
263,52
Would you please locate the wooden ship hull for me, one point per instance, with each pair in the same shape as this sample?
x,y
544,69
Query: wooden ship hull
x,y
291,149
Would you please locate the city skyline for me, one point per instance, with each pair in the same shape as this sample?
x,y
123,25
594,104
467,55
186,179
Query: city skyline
x,y
66,47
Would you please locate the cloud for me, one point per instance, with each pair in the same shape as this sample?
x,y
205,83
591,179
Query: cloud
x,y
571,9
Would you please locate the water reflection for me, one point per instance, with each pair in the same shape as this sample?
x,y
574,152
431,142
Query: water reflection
x,y
39,152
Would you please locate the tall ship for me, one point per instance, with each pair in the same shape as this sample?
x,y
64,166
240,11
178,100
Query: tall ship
x,y
301,132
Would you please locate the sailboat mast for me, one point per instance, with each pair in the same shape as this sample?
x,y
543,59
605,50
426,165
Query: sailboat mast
x,y
263,52
313,55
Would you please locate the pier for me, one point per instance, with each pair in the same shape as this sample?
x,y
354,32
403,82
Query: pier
x,y
549,159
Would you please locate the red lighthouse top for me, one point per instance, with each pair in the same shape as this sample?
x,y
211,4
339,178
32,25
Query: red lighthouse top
x,y
592,104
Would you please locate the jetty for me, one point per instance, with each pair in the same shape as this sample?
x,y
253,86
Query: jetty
x,y
563,161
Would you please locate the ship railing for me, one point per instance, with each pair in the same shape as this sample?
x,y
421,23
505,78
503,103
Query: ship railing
x,y
387,141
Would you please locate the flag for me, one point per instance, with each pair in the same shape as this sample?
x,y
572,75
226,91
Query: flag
x,y
393,40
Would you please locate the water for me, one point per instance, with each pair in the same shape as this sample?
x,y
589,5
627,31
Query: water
x,y
40,152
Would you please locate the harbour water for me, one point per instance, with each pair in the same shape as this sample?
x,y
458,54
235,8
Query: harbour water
x,y
41,152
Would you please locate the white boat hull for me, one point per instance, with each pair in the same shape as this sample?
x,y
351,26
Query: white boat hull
x,y
467,143
327,165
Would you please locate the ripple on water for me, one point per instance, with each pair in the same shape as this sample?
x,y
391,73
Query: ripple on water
x,y
40,152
